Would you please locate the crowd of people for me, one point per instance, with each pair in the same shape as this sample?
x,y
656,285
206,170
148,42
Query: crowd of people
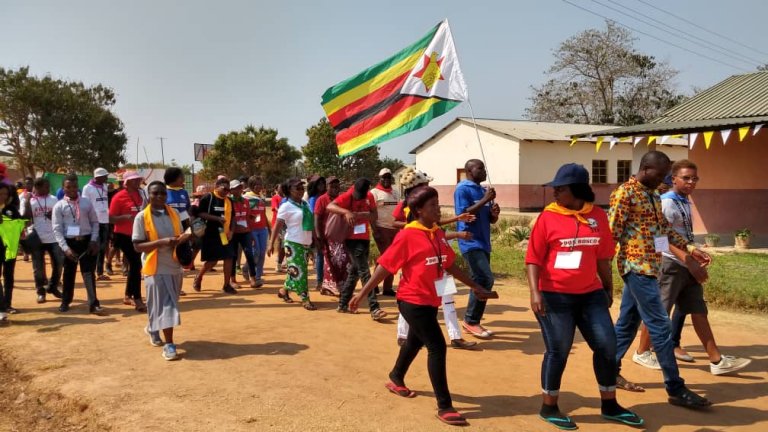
x,y
156,231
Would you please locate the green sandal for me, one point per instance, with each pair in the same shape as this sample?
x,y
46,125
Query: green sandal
x,y
628,418
561,422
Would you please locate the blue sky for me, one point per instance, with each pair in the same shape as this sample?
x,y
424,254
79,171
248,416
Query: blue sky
x,y
190,70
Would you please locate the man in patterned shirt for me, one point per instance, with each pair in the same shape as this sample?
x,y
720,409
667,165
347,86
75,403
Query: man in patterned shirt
x,y
642,233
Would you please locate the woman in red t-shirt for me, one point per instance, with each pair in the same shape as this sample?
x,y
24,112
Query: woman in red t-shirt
x,y
427,261
123,208
569,276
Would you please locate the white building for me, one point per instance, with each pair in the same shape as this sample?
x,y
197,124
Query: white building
x,y
523,155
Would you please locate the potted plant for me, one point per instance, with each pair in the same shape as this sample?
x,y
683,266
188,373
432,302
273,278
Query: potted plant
x,y
742,238
711,240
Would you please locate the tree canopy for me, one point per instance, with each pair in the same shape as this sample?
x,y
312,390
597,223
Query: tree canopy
x,y
59,126
321,156
599,78
251,151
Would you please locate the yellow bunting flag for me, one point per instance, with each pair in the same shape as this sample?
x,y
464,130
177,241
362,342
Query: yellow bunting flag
x,y
573,141
708,138
599,143
743,131
651,139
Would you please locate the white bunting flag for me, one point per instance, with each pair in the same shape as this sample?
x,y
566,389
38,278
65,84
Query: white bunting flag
x,y
664,139
614,140
637,140
755,129
725,133
692,139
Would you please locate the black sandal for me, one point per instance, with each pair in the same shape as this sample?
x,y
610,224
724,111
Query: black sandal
x,y
308,305
285,297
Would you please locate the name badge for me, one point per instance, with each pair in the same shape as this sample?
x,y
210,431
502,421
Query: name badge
x,y
661,244
242,223
258,218
445,286
73,230
568,260
359,229
183,215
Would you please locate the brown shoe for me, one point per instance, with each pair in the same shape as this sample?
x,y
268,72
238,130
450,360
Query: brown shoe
x,y
140,306
462,344
128,301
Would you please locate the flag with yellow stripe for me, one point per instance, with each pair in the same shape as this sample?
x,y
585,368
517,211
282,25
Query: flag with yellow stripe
x,y
398,95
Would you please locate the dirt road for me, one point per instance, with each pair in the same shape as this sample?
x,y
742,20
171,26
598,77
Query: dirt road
x,y
251,362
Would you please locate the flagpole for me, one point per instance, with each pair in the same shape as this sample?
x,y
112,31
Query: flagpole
x,y
480,143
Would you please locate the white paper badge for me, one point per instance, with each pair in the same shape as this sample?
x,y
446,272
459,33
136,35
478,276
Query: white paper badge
x,y
568,260
258,218
445,286
359,229
661,243
243,223
73,230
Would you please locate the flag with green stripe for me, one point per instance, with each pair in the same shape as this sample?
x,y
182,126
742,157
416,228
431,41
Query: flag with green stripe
x,y
398,95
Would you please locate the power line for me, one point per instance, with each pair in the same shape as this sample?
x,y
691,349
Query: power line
x,y
684,34
656,38
710,31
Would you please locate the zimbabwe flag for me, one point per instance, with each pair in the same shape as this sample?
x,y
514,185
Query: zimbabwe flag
x,y
398,95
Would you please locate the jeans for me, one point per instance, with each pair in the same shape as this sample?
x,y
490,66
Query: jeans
x,y
260,238
87,265
38,266
480,270
424,330
319,266
103,241
358,251
564,313
641,300
243,240
133,282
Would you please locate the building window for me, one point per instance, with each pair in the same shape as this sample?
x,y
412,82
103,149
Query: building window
x,y
623,170
599,171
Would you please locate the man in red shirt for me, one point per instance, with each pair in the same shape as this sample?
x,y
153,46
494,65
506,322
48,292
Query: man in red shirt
x,y
124,207
358,207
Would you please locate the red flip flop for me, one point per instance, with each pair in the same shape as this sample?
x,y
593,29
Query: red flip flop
x,y
400,390
452,418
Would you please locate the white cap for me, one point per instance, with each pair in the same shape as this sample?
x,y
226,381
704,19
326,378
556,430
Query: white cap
x,y
384,171
234,184
100,172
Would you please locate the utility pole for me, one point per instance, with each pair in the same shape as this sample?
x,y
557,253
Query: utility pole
x,y
162,152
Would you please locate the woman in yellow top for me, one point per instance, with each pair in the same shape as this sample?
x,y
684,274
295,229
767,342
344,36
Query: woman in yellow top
x,y
156,232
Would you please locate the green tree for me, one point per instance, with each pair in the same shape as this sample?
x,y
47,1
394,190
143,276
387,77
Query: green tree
x,y
599,78
251,151
54,125
321,156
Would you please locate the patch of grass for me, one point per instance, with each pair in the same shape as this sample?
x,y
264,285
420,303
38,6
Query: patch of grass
x,y
738,280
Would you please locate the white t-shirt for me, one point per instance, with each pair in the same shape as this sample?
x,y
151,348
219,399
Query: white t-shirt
x,y
99,198
293,215
385,205
42,216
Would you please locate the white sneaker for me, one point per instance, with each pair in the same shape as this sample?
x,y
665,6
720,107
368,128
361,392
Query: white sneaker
x,y
728,364
169,352
647,359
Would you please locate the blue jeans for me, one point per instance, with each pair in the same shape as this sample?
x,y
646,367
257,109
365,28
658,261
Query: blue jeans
x,y
319,265
260,238
564,313
641,300
479,262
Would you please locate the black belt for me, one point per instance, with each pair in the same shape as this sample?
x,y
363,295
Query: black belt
x,y
79,238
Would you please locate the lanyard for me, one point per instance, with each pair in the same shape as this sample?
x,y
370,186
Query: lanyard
x,y
44,205
687,220
576,236
139,204
439,253
653,206
75,213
